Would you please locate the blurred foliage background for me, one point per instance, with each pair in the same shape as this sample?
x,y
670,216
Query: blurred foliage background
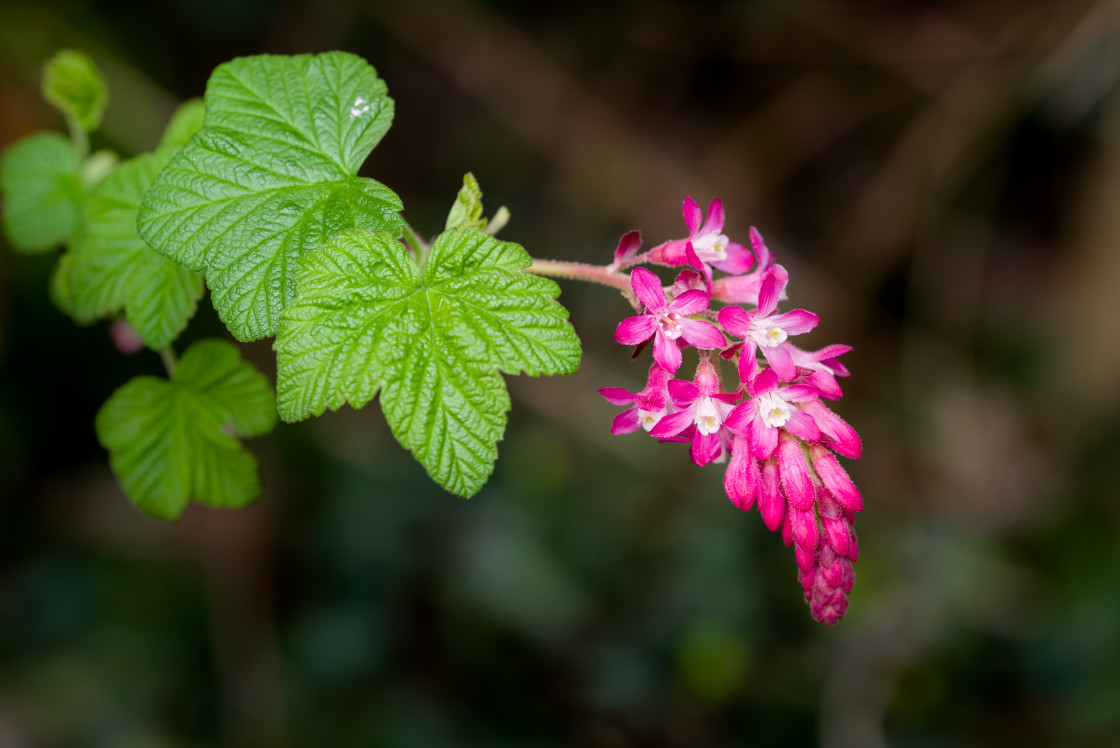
x,y
942,179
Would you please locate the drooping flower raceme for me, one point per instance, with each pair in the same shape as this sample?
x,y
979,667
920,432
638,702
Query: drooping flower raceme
x,y
667,321
780,437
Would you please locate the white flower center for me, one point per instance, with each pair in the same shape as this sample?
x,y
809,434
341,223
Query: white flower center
x,y
649,418
768,335
773,410
711,248
708,417
670,324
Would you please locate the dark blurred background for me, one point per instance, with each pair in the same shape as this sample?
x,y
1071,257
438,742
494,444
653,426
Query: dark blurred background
x,y
942,180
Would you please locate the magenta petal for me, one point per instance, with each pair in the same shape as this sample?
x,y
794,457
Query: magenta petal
x,y
748,362
826,384
673,424
761,251
781,362
714,224
771,504
647,287
739,259
670,253
768,296
705,448
683,392
794,473
738,420
796,321
802,426
689,302
830,351
838,536
703,335
692,215
735,320
836,479
742,476
617,395
841,437
634,330
628,246
667,353
804,526
766,381
799,393
696,263
625,422
763,438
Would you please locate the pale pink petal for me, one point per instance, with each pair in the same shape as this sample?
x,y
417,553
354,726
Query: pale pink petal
x,y
647,287
826,384
617,395
830,351
796,321
689,280
802,426
683,392
625,422
628,246
689,302
737,289
692,215
761,251
771,504
739,259
667,353
781,363
794,473
703,335
836,479
673,424
634,330
799,393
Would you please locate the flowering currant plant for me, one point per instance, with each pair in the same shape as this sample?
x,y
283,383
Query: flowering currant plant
x,y
254,194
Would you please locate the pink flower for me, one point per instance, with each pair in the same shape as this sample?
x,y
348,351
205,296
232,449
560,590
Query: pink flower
x,y
626,251
770,409
703,405
649,406
711,246
826,572
763,328
823,367
744,289
667,321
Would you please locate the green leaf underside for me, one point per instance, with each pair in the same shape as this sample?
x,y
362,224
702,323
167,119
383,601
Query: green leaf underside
x,y
42,192
467,209
186,121
76,87
113,268
168,440
272,174
432,342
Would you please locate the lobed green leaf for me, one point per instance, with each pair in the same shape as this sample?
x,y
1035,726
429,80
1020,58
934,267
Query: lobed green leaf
x,y
433,342
42,192
72,82
112,268
271,175
169,440
185,122
467,209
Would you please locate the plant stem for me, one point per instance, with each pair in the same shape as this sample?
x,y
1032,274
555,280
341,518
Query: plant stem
x,y
419,247
581,271
167,354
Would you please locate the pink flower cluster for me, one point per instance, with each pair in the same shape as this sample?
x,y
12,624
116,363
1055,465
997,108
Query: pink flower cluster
x,y
771,427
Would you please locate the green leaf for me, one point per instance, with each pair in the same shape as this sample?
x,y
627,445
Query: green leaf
x,y
432,342
74,84
113,269
42,192
61,288
170,441
271,175
186,121
467,210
